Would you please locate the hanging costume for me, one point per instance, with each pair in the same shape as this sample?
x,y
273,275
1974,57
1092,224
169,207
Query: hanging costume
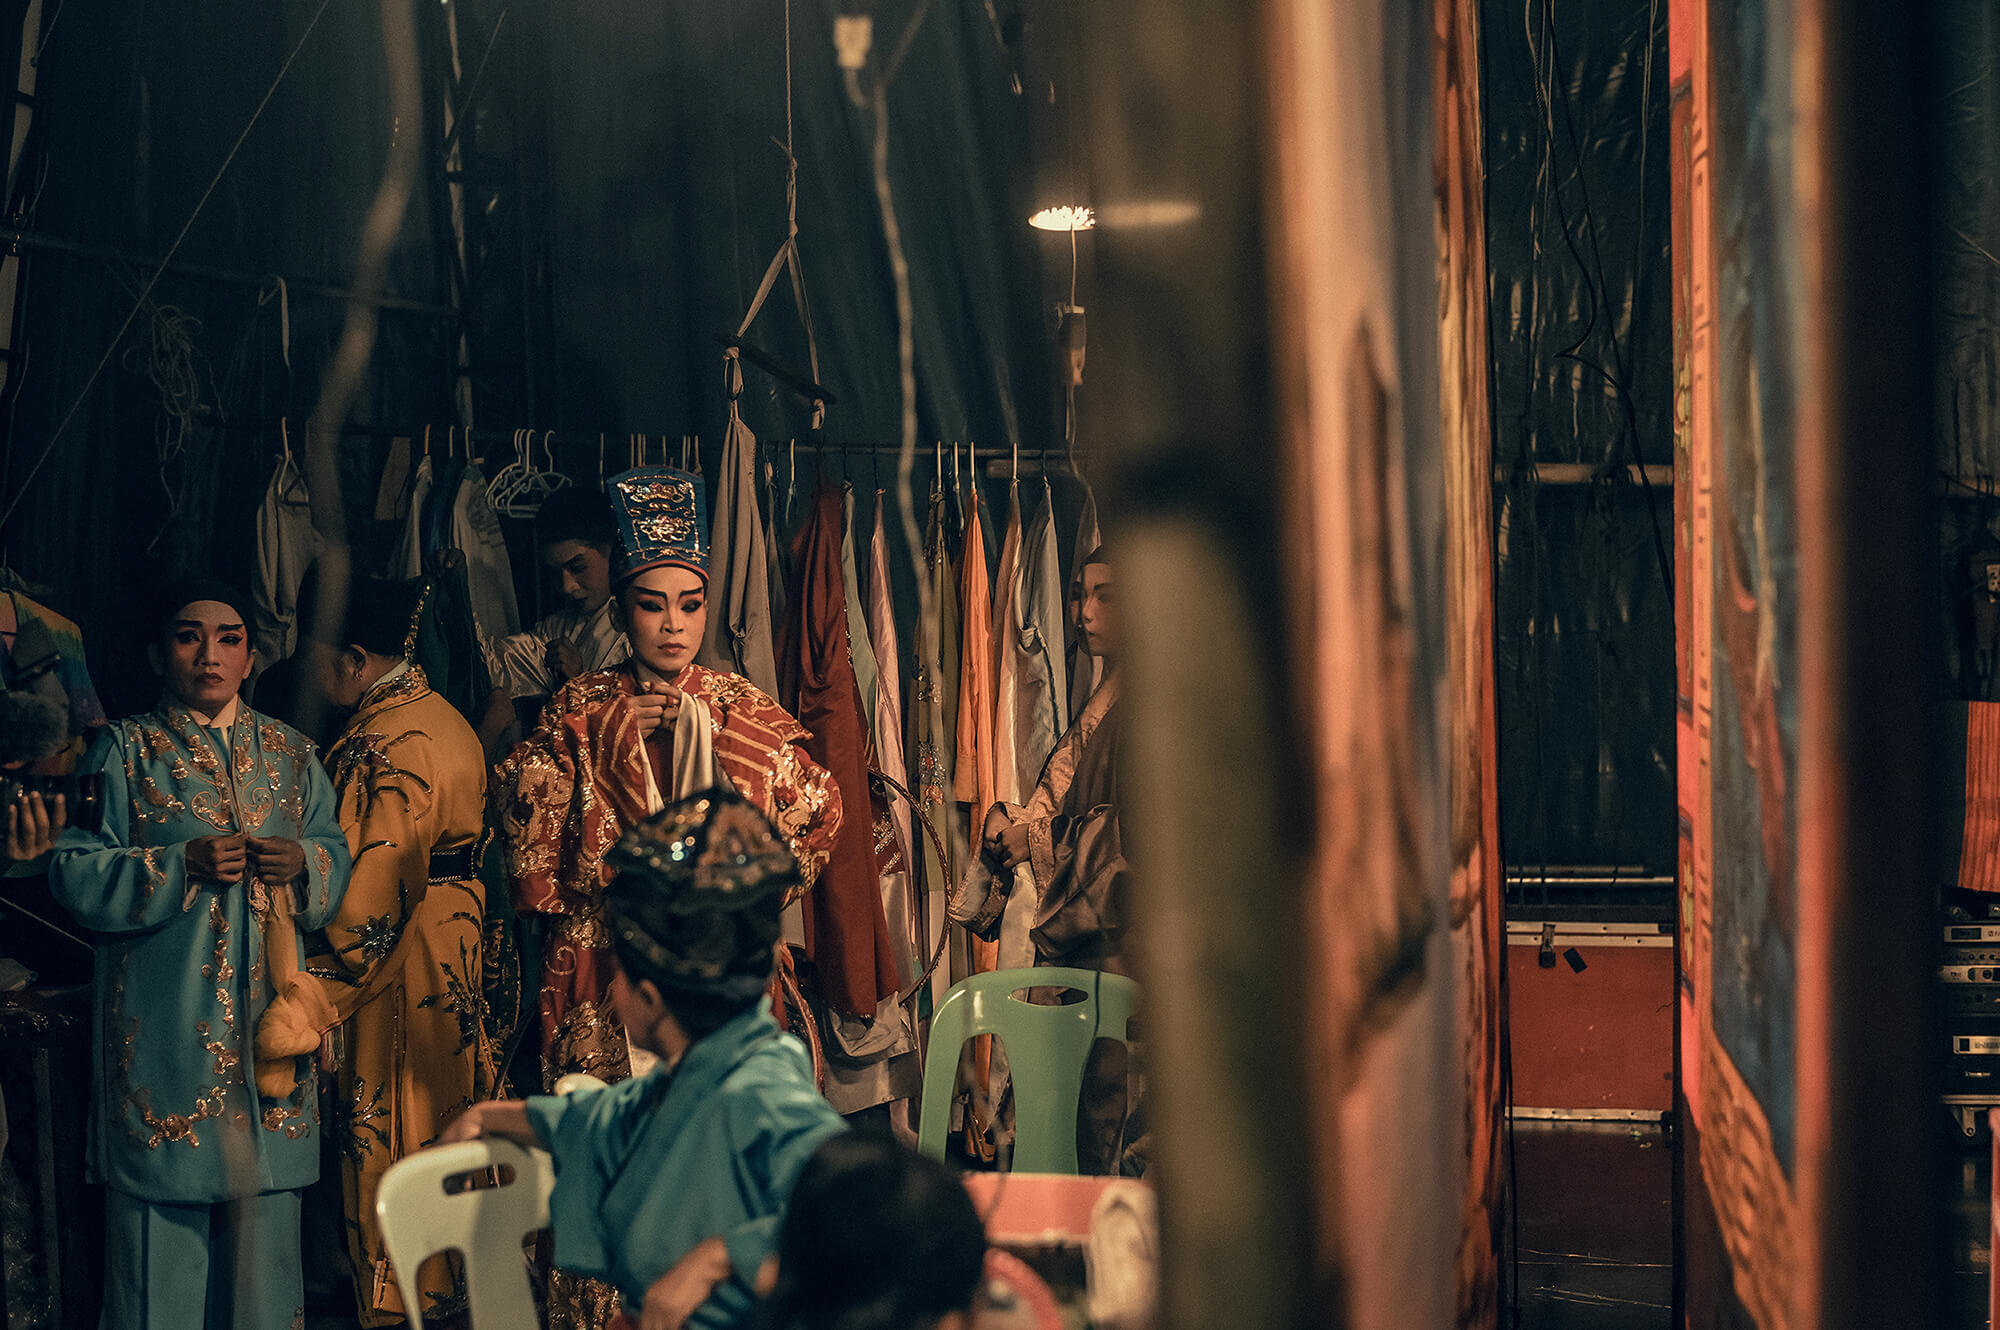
x,y
202,1174
933,711
861,647
405,971
740,636
871,1059
488,569
976,781
449,510
1041,700
286,546
711,1145
1007,784
1027,706
448,644
846,935
897,898
411,543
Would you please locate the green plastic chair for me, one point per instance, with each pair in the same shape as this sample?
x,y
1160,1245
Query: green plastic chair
x,y
1047,1049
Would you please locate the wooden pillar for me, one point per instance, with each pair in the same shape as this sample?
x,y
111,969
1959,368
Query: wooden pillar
x,y
1219,813
1281,498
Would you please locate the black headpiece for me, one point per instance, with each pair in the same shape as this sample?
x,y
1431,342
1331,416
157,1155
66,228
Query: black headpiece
x,y
697,895
185,591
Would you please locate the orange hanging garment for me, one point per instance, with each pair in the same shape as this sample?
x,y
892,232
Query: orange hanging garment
x,y
975,780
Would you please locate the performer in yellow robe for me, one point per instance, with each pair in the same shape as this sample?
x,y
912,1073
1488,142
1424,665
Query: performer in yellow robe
x,y
402,957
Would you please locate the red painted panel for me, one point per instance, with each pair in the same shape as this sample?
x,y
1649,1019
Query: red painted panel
x,y
1601,1038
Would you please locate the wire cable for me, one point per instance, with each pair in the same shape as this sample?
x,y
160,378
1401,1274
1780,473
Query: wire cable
x,y
69,416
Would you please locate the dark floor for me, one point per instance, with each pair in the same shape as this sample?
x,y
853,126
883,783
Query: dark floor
x,y
1594,1226
1970,1221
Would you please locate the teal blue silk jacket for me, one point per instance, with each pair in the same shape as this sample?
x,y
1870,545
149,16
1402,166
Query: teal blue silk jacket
x,y
649,1168
180,976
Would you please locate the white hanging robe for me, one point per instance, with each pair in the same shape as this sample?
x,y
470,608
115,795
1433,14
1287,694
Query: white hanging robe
x,y
408,561
286,545
489,573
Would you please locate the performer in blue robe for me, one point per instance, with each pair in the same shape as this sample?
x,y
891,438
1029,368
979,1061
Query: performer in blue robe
x,y
219,830
671,1185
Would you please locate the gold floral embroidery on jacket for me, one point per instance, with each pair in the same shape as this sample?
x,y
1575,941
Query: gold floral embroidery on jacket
x,y
171,1128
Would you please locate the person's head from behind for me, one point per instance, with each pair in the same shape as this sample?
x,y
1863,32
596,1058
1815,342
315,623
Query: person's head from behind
x,y
201,645
576,534
876,1237
349,637
693,907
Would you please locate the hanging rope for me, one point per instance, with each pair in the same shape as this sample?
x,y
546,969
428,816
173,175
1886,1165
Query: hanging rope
x,y
69,416
787,258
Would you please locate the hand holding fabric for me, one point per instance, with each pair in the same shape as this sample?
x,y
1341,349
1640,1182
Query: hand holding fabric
x,y
1012,844
220,859
275,861
1003,841
656,704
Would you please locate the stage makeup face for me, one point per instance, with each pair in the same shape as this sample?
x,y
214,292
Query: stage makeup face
x,y
204,655
665,613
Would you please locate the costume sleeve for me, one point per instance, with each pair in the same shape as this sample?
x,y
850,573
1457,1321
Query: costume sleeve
x,y
778,1137
569,1127
108,883
386,812
534,790
327,859
805,806
1039,813
521,663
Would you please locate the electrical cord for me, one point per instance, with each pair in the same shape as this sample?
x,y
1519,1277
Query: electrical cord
x,y
1547,58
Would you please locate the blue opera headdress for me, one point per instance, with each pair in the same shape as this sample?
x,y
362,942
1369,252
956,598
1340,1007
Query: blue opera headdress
x,y
662,515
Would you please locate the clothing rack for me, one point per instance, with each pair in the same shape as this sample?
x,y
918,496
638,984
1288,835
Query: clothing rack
x,y
612,443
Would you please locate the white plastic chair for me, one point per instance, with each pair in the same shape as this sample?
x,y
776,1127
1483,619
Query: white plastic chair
x,y
486,1226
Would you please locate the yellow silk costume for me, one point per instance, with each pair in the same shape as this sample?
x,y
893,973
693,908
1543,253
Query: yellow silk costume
x,y
406,965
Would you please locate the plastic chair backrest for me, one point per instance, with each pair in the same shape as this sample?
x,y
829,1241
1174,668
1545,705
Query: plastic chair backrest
x,y
1047,1049
486,1226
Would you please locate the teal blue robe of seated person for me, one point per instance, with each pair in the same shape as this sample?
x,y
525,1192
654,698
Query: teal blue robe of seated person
x,y
180,976
649,1168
